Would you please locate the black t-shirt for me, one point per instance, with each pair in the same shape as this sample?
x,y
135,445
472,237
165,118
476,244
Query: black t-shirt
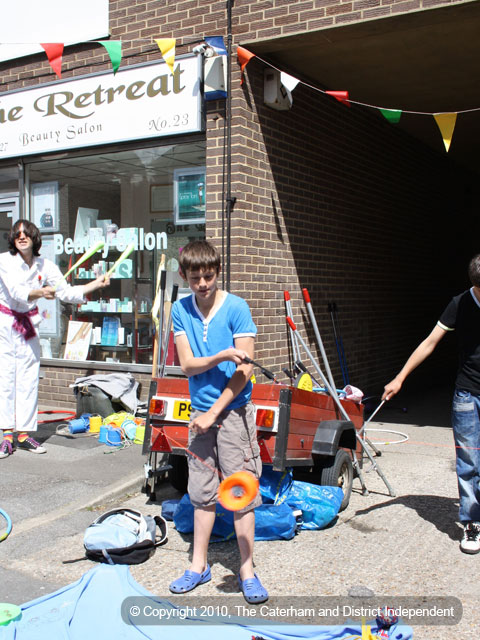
x,y
462,315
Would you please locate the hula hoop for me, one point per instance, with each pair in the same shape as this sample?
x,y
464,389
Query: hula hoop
x,y
72,414
8,520
399,433
238,490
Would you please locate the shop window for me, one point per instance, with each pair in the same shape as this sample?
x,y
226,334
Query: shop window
x,y
119,198
9,202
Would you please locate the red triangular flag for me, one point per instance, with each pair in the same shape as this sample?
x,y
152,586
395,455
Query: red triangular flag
x,y
341,96
54,53
244,56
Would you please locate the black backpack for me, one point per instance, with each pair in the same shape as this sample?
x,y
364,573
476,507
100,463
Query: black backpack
x,y
124,536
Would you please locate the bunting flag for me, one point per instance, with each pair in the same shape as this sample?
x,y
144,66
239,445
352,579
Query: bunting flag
x,y
114,50
244,56
54,51
446,124
289,82
167,47
392,115
217,44
341,96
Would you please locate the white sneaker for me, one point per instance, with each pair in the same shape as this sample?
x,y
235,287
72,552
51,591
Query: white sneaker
x,y
471,538
6,449
31,445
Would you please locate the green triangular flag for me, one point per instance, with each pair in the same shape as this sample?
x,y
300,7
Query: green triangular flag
x,y
114,49
392,115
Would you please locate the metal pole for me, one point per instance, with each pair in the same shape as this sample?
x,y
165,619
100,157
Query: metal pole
x,y
293,337
228,119
167,331
306,297
163,283
346,416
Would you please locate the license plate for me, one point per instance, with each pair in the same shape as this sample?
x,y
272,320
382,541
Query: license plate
x,y
182,410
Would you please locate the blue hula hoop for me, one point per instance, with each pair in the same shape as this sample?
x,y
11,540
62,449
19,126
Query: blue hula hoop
x,y
6,533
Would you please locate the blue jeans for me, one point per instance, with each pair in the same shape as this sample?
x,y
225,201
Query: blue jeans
x,y
466,431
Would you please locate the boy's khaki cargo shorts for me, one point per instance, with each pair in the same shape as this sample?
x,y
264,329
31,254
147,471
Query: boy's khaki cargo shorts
x,y
230,447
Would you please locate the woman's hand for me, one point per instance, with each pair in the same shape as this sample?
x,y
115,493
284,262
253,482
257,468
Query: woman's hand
x,y
48,293
102,281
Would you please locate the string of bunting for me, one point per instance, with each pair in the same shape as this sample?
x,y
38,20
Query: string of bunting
x,y
445,121
54,51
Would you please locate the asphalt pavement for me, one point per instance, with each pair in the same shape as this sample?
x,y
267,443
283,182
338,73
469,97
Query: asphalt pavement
x,y
406,545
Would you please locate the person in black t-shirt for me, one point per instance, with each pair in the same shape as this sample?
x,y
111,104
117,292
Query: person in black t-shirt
x,y
461,315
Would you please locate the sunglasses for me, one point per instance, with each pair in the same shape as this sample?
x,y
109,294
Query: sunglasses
x,y
19,233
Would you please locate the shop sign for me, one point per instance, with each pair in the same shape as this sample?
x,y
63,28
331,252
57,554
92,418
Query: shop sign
x,y
119,241
137,103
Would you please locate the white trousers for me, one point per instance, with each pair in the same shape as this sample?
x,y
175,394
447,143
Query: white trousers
x,y
19,371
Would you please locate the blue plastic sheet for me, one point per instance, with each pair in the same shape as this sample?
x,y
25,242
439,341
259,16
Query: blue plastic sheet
x,y
274,519
168,508
91,608
319,504
272,522
274,485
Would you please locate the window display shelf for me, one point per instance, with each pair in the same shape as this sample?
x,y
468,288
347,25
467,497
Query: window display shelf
x,y
128,297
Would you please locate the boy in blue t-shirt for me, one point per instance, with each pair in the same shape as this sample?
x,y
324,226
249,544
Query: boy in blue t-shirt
x,y
214,333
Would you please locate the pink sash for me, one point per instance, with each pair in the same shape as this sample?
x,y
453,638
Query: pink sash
x,y
22,322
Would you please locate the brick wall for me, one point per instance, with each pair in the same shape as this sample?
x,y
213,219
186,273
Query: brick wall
x,y
337,200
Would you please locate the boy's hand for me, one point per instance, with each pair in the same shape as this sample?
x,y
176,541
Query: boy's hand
x,y
202,423
234,355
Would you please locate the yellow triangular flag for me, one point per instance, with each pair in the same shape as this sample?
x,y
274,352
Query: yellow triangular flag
x,y
446,124
167,47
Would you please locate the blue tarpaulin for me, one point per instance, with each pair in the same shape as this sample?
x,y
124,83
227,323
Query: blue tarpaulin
x,y
92,608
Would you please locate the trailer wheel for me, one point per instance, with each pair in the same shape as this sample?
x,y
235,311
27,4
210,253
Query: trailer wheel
x,y
178,474
337,472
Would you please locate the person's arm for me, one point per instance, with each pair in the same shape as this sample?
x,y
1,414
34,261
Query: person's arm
x,y
244,347
420,354
192,366
100,283
44,292
63,292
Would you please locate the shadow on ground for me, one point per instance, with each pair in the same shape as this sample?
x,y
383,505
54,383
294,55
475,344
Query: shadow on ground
x,y
440,511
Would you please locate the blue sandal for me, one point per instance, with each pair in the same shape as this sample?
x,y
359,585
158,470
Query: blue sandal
x,y
253,590
190,580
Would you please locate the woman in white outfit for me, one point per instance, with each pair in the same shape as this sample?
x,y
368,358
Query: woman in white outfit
x,y
24,278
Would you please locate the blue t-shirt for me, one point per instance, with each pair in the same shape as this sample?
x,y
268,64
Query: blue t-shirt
x,y
206,338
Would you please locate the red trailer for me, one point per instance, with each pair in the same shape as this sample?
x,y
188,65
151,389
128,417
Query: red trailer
x,y
300,429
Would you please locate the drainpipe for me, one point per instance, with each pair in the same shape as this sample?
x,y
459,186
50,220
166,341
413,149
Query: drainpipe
x,y
229,200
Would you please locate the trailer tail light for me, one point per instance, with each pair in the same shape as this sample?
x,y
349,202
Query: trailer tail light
x,y
158,407
265,418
